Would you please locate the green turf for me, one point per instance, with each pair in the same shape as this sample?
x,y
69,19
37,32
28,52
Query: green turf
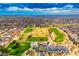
x,y
18,50
60,36
24,31
34,39
28,29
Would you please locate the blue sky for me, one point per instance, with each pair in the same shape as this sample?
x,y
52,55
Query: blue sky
x,y
38,5
39,8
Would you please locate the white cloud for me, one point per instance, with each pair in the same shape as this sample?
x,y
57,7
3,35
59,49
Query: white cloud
x,y
68,6
63,10
75,11
26,9
60,11
47,9
13,8
53,10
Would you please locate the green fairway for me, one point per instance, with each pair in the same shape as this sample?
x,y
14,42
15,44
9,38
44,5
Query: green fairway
x,y
60,36
24,31
27,29
18,48
34,39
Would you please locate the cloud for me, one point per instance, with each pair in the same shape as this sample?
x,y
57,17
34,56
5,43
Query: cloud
x,y
26,9
60,11
68,6
53,10
47,9
14,8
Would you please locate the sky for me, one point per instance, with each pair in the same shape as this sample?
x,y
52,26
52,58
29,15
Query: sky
x,y
39,9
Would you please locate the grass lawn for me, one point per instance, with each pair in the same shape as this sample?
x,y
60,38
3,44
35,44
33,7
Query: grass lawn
x,y
17,50
60,36
24,31
28,29
34,39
